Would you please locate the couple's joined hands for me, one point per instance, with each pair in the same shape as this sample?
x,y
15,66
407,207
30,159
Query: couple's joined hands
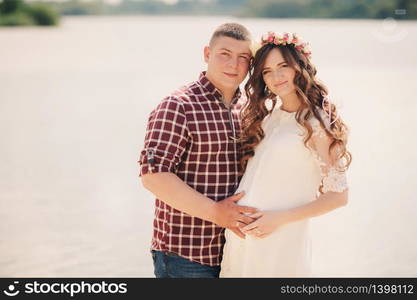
x,y
244,220
265,222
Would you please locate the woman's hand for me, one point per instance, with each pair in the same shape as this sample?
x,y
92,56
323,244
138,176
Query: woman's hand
x,y
266,223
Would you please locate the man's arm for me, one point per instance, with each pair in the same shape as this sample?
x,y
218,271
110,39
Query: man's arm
x,y
169,188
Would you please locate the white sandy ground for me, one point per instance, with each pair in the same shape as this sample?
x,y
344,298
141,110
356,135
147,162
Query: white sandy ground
x,y
74,101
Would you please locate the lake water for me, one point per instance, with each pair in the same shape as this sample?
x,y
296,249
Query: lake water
x,y
74,102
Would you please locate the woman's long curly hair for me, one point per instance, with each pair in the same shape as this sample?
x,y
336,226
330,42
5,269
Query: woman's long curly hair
x,y
311,92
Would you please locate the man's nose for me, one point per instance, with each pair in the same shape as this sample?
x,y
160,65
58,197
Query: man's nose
x,y
233,62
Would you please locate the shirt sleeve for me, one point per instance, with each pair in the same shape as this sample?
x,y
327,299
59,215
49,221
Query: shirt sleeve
x,y
165,139
333,175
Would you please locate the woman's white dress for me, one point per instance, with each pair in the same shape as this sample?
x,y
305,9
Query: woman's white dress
x,y
283,174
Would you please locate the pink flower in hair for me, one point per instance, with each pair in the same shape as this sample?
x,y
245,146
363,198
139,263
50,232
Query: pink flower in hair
x,y
271,37
286,39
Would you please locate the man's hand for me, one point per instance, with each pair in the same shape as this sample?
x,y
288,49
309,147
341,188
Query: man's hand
x,y
232,216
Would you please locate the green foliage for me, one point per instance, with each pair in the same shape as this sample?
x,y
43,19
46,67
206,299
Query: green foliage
x,y
43,15
16,19
19,13
10,6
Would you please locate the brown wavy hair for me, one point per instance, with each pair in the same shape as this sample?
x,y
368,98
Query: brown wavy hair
x,y
311,93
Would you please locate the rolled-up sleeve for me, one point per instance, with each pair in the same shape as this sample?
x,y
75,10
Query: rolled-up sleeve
x,y
166,138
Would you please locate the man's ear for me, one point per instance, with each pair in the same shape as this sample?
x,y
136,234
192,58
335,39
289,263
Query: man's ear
x,y
206,53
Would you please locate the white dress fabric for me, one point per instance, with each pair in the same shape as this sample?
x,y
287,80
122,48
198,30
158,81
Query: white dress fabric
x,y
283,174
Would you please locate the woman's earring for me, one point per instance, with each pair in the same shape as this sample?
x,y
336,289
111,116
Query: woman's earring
x,y
267,91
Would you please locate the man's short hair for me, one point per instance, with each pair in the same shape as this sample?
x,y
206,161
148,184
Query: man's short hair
x,y
232,30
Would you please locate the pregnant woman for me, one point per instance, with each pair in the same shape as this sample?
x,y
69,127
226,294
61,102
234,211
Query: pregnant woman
x,y
295,161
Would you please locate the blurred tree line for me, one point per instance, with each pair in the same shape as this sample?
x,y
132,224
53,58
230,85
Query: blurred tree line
x,y
16,11
378,9
19,13
149,7
363,9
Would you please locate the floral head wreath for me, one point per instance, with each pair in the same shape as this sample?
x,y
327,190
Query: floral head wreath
x,y
283,39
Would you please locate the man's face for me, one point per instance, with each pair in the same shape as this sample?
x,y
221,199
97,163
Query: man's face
x,y
227,62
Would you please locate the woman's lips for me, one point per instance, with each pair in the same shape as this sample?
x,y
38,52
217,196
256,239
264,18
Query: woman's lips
x,y
280,84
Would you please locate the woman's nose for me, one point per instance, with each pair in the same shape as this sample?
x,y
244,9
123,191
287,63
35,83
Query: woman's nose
x,y
278,74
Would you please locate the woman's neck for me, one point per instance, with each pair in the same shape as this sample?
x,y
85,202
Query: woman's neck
x,y
290,103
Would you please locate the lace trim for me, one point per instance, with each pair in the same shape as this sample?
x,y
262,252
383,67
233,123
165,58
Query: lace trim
x,y
332,180
318,130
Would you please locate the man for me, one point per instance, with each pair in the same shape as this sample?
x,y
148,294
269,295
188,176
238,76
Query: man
x,y
190,161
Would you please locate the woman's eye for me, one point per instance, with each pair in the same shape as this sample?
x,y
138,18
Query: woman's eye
x,y
265,72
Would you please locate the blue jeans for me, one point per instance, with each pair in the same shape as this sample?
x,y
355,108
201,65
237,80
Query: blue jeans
x,y
170,265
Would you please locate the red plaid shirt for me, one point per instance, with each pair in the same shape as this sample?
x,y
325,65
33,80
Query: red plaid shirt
x,y
190,133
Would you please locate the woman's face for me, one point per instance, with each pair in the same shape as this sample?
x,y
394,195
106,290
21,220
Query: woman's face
x,y
278,75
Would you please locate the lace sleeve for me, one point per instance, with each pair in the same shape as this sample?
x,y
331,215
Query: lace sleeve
x,y
333,178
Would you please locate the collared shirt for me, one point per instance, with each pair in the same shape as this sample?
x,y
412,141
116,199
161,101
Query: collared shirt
x,y
191,134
